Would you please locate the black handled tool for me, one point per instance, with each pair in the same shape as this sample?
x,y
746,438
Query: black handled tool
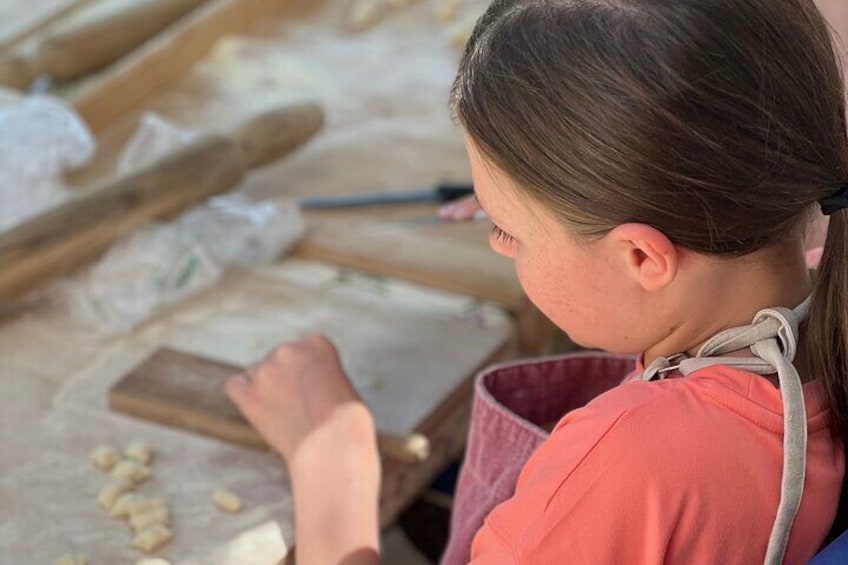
x,y
440,194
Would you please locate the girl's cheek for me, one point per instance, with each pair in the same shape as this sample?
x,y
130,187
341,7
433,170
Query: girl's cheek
x,y
537,286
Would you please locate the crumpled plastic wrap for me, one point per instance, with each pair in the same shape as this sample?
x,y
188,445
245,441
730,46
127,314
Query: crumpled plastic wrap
x,y
154,138
164,263
41,137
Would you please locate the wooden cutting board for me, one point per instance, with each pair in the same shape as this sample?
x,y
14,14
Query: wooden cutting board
x,y
409,351
184,391
394,241
187,391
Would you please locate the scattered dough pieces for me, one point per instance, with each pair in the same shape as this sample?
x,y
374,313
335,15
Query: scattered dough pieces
x,y
152,561
141,522
133,471
72,559
110,493
149,517
105,457
152,538
144,505
140,451
227,501
121,508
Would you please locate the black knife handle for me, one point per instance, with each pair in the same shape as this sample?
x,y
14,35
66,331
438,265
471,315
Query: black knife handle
x,y
451,192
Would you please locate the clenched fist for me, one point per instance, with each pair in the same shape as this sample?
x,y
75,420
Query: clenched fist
x,y
301,402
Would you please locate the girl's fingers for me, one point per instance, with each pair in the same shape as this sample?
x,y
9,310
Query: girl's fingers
x,y
238,388
463,209
251,372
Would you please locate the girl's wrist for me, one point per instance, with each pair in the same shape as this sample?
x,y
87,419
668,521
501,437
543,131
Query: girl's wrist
x,y
335,477
346,444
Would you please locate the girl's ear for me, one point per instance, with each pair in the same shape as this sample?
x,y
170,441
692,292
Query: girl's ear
x,y
649,257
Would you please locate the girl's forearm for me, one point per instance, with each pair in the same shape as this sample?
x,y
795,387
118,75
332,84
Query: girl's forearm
x,y
336,486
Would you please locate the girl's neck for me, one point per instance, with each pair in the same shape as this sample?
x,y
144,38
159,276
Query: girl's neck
x,y
729,293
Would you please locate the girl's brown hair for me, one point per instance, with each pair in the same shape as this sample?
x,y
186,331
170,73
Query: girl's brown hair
x,y
719,122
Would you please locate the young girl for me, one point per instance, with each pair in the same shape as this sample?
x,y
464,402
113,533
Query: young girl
x,y
650,166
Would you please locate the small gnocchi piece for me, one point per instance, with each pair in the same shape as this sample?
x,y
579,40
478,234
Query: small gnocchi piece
x,y
140,451
110,493
152,561
144,505
132,471
152,538
105,457
141,522
72,559
121,508
227,501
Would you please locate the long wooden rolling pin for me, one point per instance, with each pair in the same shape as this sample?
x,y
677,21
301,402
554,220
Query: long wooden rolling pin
x,y
81,47
62,239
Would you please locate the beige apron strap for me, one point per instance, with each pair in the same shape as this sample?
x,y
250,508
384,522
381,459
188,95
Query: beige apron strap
x,y
773,339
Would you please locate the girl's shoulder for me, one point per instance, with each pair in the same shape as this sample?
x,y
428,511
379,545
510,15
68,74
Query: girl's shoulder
x,y
679,426
698,401
654,462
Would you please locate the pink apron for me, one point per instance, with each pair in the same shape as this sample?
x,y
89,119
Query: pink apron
x,y
514,405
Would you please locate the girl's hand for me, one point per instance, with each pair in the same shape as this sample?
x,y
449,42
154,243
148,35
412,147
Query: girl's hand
x,y
301,402
462,209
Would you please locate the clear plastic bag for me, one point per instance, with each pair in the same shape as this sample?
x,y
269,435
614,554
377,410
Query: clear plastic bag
x,y
41,137
152,268
154,138
165,263
239,231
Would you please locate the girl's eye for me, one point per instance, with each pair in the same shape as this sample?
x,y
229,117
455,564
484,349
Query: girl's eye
x,y
500,235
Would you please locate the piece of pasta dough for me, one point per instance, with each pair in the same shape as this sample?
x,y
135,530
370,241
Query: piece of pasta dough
x,y
141,522
152,538
105,457
144,504
140,451
227,501
72,559
129,470
110,493
152,561
121,508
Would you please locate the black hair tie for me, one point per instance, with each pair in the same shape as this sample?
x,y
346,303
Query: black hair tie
x,y
835,203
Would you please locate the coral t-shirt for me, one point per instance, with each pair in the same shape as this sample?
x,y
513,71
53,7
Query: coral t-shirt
x,y
684,470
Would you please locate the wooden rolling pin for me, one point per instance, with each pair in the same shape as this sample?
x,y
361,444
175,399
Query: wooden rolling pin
x,y
62,239
76,49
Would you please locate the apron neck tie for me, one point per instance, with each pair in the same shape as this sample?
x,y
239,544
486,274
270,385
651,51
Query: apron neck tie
x,y
772,338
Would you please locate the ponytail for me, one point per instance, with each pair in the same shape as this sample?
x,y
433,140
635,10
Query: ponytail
x,y
828,338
